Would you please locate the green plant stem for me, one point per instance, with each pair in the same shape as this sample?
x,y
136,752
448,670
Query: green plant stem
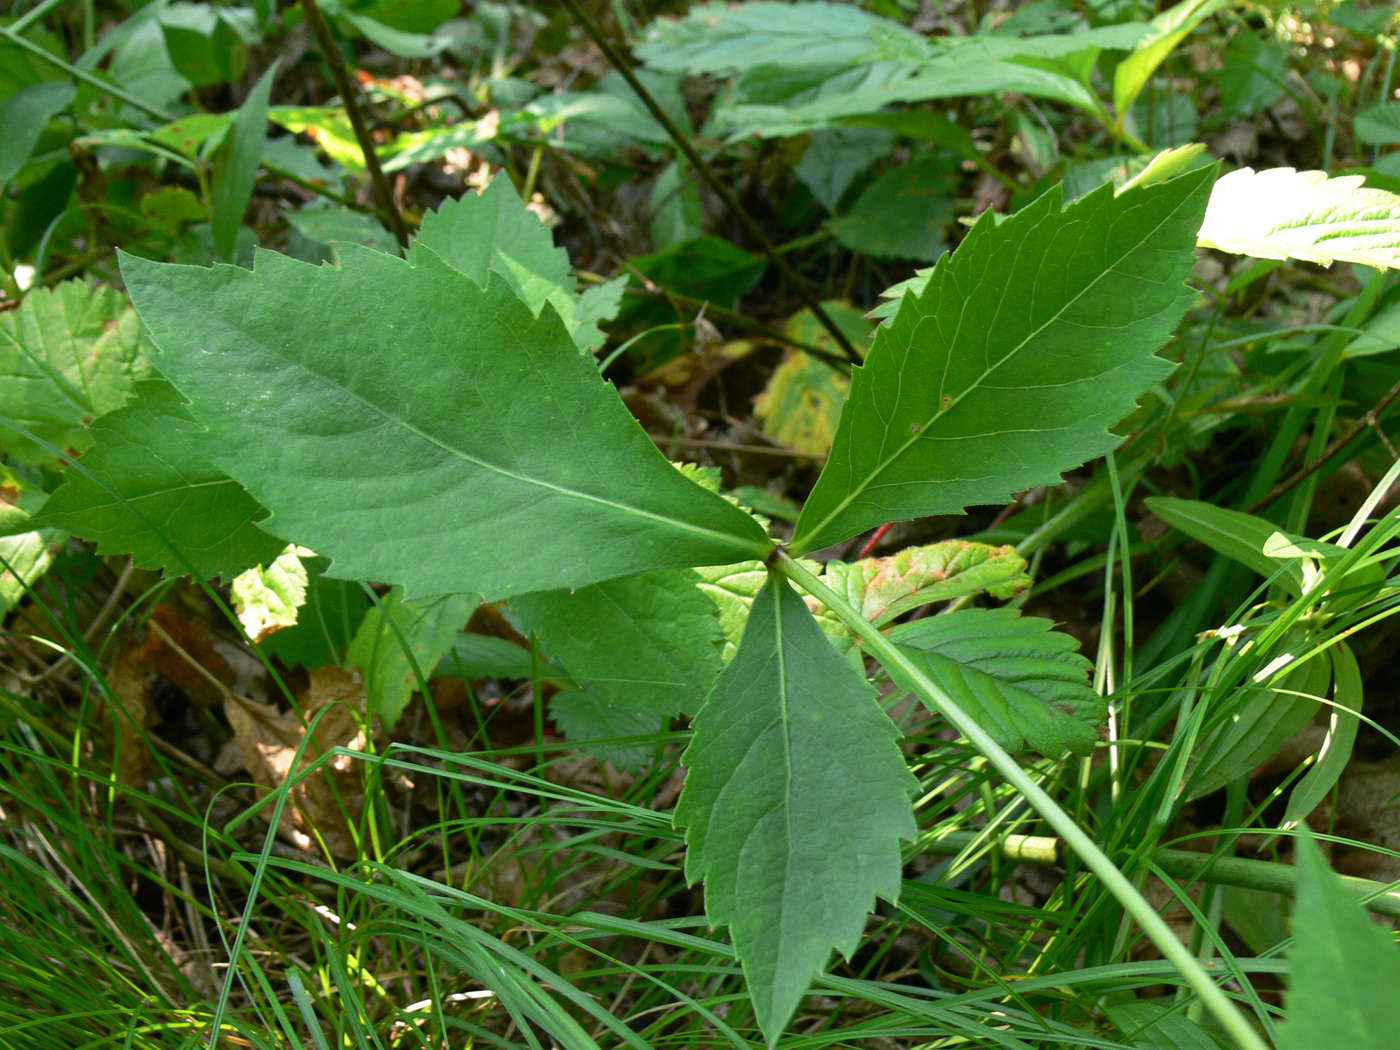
x,y
1075,838
707,173
6,33
1269,876
24,21
349,95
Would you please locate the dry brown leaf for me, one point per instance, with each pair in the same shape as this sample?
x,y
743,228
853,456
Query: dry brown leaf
x,y
330,801
127,679
181,648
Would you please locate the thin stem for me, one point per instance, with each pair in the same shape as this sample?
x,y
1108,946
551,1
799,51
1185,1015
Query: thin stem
x,y
350,96
106,88
707,173
1076,839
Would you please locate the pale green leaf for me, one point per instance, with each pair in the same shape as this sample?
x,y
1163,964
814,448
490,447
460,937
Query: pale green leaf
x,y
268,598
1344,968
146,488
1027,344
25,552
1378,125
883,588
801,405
419,429
67,355
1024,682
326,623
585,716
400,642
649,642
1167,30
795,801
236,168
732,590
1280,213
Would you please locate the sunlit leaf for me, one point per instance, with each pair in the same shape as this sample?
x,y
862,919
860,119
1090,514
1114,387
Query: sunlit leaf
x,y
1280,213
883,588
268,598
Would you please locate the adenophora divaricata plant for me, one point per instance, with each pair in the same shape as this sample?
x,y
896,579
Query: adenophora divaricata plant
x,y
438,423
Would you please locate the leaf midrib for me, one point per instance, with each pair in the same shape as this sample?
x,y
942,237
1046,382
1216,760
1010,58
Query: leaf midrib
x,y
925,426
463,455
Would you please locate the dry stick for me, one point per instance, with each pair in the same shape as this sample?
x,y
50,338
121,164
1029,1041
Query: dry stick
x,y
707,173
348,94
1370,419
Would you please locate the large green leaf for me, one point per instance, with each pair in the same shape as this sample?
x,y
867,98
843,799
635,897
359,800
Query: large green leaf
x,y
419,429
494,231
794,803
1028,343
1023,682
649,642
146,488
1280,213
399,641
1345,968
67,354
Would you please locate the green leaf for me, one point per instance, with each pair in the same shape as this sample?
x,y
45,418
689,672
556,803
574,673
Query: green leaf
x,y
146,488
722,38
1151,1024
584,716
1317,783
236,170
494,231
268,598
326,622
399,640
485,656
1266,718
649,642
24,116
68,354
1280,213
1027,344
883,588
1377,125
1229,532
1344,967
1024,682
903,214
794,803
25,552
421,430
732,590
1167,30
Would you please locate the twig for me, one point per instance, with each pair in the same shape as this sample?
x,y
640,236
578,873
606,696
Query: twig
x,y
348,94
707,173
1371,418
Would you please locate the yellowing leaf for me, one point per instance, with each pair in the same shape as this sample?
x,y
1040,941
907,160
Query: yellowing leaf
x,y
267,599
1281,213
883,588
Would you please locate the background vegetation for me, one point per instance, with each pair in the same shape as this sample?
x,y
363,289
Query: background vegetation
x,y
398,826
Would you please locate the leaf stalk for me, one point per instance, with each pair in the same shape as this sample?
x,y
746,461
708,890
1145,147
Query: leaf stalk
x,y
1075,837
